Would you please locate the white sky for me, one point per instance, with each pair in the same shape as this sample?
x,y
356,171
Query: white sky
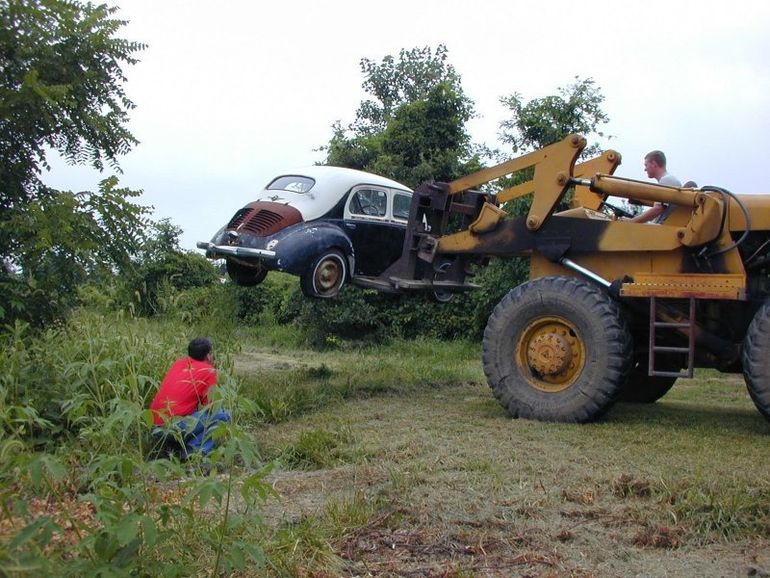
x,y
231,93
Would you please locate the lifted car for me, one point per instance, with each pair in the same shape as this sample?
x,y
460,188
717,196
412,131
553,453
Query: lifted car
x,y
327,225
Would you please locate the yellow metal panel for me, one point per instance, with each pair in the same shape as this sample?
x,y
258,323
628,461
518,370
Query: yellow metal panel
x,y
624,236
758,206
685,285
609,266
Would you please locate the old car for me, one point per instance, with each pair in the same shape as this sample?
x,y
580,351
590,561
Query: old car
x,y
327,225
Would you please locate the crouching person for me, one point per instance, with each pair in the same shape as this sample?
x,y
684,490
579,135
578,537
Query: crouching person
x,y
184,392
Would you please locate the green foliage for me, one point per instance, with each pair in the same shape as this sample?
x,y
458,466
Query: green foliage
x,y
75,435
413,127
368,316
163,271
270,299
426,140
60,240
708,508
544,121
410,78
61,90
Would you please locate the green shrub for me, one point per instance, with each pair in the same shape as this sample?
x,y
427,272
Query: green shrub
x,y
154,284
75,434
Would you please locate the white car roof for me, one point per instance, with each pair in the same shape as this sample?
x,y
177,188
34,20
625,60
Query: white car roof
x,y
331,183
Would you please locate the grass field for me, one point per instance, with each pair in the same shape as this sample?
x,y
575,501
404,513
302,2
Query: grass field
x,y
381,460
398,461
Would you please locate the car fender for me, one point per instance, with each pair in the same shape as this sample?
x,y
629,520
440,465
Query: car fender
x,y
300,245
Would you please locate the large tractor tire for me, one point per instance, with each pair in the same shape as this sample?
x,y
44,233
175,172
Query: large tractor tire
x,y
756,360
557,349
640,387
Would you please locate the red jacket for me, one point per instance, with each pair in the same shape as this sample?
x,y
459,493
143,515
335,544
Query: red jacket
x,y
184,389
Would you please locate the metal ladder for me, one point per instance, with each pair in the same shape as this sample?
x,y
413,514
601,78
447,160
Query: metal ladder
x,y
687,324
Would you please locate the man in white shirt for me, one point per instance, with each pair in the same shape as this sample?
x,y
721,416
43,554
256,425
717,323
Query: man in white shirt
x,y
655,167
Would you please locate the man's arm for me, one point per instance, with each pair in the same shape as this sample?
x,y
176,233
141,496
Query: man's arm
x,y
649,214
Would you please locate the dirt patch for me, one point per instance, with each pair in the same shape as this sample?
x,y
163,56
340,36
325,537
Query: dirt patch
x,y
415,552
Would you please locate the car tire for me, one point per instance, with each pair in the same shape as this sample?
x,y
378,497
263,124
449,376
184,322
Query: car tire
x,y
556,349
442,296
325,276
245,275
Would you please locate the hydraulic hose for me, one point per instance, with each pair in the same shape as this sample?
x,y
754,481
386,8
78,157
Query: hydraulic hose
x,y
744,210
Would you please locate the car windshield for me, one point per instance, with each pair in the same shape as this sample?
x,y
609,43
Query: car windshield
x,y
292,183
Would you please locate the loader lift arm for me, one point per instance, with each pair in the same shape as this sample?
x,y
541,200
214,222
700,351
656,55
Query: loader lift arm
x,y
440,209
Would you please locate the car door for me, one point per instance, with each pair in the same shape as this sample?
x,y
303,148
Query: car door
x,y
376,238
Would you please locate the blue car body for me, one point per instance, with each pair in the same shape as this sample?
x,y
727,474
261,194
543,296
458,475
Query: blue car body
x,y
327,225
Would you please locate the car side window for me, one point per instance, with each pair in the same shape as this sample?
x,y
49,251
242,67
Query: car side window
x,y
369,202
401,205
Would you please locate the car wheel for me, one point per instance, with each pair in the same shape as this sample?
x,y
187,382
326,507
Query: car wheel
x,y
245,275
326,275
442,296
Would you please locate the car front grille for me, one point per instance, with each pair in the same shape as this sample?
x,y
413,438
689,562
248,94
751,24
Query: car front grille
x,y
262,221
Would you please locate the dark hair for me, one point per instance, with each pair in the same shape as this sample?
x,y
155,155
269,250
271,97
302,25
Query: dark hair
x,y
199,348
657,157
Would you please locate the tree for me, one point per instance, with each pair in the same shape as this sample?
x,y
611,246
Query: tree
x,y
412,128
392,83
544,121
61,90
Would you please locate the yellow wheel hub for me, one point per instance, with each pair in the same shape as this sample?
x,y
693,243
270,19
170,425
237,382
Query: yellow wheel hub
x,y
550,353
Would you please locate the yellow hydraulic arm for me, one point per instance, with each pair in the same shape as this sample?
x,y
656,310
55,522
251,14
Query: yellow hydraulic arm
x,y
554,166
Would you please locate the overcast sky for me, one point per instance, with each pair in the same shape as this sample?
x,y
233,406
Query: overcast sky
x,y
231,93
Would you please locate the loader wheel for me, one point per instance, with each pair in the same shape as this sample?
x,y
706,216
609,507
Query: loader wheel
x,y
556,349
326,275
642,388
244,275
756,360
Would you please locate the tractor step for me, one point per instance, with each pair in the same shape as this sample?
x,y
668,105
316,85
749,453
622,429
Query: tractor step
x,y
687,325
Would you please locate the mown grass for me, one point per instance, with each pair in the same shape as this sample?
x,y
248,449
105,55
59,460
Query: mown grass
x,y
650,489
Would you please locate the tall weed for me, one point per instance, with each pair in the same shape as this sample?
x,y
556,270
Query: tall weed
x,y
79,495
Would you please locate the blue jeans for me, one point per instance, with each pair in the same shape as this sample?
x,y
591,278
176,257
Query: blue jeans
x,y
196,430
